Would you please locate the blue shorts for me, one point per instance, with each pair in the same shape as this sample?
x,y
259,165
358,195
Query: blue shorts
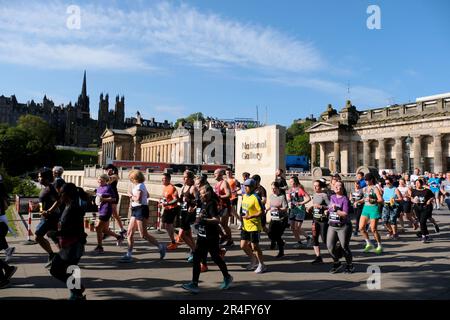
x,y
140,213
46,225
297,214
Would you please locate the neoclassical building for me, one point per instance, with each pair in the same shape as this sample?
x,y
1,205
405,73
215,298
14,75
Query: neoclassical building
x,y
415,134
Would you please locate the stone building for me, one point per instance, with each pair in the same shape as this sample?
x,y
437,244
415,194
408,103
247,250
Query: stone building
x,y
415,134
159,143
73,124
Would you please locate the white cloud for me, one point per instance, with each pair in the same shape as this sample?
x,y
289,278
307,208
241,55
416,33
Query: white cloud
x,y
112,37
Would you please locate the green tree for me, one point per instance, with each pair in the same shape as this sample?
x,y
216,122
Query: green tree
x,y
27,146
191,118
297,140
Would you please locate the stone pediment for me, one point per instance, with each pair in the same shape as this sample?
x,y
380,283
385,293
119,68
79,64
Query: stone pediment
x,y
111,132
322,126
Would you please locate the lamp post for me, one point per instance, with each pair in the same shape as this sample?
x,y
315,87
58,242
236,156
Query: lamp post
x,y
408,142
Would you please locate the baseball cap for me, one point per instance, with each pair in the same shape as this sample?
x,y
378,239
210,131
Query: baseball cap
x,y
250,183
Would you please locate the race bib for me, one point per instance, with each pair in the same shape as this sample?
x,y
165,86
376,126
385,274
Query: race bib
x,y
317,213
334,217
275,215
184,206
202,230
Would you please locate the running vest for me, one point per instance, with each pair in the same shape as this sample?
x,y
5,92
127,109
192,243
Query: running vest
x,y
232,183
189,200
372,195
223,203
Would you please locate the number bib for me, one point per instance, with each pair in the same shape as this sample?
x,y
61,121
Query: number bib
x,y
275,215
317,214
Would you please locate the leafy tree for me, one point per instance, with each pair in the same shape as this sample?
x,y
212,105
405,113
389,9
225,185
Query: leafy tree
x,y
191,118
297,140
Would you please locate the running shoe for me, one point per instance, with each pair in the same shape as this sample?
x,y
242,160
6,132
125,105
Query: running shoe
x,y
10,272
395,236
226,283
252,266
379,250
261,268
229,243
317,260
98,250
162,251
9,253
280,254
368,248
191,287
203,267
4,284
436,228
51,256
190,259
172,246
349,268
123,233
120,240
126,259
337,266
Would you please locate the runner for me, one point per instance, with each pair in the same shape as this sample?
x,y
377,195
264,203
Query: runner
x,y
371,213
281,181
251,229
392,198
340,228
405,205
189,197
113,174
435,186
362,183
4,204
208,220
170,208
415,176
72,239
49,219
58,181
320,220
223,191
358,204
139,216
445,189
261,193
278,207
104,198
422,200
297,197
235,186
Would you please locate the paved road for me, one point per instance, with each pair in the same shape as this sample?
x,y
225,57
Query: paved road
x,y
409,270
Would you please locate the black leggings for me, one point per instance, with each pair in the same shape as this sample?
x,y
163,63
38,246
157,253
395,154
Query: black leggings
x,y
276,230
3,232
319,229
423,213
59,271
202,247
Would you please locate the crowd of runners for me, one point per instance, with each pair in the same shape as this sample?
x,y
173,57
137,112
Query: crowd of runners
x,y
202,211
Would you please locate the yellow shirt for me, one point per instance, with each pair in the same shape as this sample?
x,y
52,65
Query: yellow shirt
x,y
251,206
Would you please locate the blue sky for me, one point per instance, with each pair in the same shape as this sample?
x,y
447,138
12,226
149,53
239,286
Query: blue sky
x,y
225,57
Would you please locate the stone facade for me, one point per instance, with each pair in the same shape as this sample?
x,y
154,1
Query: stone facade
x,y
72,123
343,141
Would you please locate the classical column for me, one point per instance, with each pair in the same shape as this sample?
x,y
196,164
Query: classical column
x,y
382,153
417,151
437,142
366,153
322,154
337,156
399,166
313,154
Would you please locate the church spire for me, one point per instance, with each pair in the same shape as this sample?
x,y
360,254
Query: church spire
x,y
83,90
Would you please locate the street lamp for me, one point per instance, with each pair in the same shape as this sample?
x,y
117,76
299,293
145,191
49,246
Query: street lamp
x,y
408,142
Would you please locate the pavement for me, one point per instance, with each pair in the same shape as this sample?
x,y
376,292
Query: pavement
x,y
409,270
